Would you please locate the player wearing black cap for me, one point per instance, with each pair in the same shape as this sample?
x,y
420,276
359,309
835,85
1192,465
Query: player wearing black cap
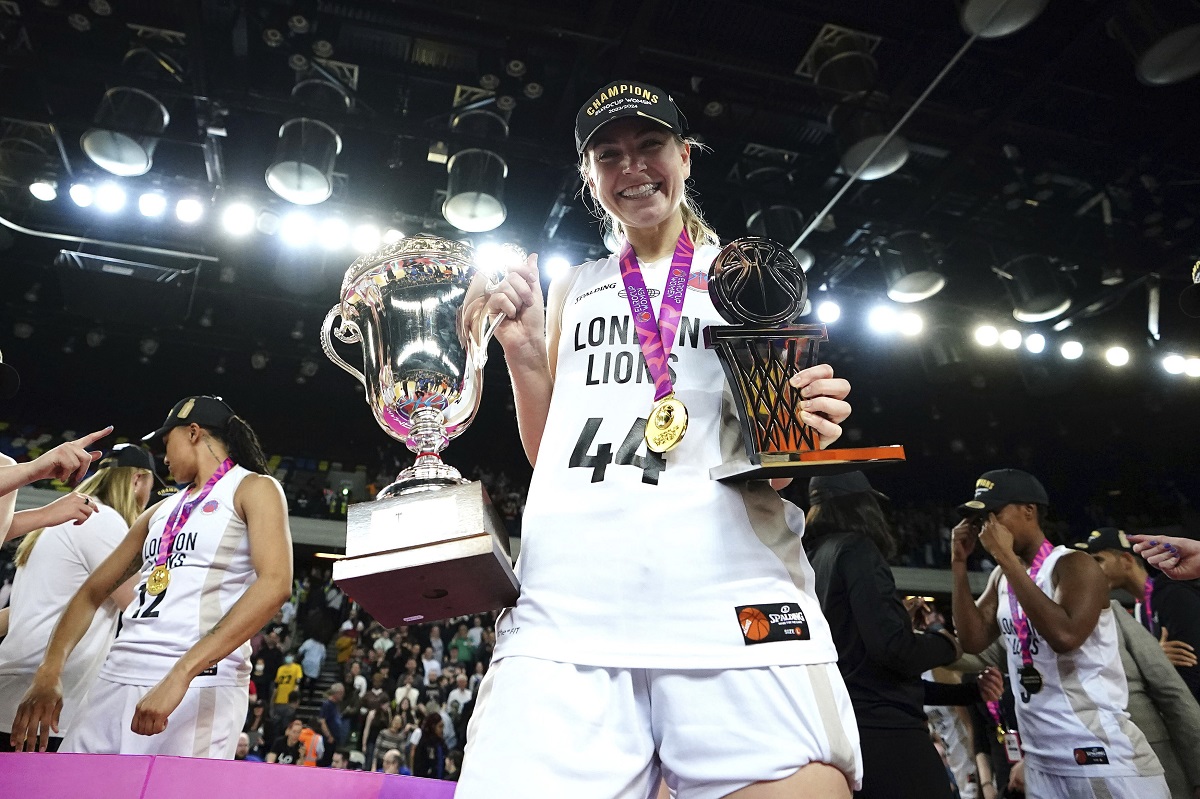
x,y
214,564
1168,609
1051,605
52,563
651,594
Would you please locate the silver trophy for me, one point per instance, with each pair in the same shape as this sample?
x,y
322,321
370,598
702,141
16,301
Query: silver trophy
x,y
431,545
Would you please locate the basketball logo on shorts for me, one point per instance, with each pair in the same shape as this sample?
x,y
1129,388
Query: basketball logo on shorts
x,y
754,624
210,506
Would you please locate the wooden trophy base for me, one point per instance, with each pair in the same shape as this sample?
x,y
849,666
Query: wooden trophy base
x,y
427,556
807,464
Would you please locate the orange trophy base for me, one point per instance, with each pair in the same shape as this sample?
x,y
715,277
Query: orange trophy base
x,y
808,464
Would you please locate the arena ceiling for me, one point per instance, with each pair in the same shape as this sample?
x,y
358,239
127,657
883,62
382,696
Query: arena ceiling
x,y
1043,142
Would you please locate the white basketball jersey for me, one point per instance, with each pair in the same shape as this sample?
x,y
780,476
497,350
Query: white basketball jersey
x,y
1076,725
210,570
62,559
635,560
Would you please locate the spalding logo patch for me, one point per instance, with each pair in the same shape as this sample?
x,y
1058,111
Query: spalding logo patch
x,y
762,624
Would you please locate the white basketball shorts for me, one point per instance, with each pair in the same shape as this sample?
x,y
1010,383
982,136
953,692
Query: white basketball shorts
x,y
1041,785
547,730
206,723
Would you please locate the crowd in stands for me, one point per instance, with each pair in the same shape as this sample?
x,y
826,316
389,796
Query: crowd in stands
x,y
397,700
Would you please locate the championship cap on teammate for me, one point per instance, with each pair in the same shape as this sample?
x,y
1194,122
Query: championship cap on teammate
x,y
626,99
1105,538
10,380
202,410
1000,487
839,485
130,455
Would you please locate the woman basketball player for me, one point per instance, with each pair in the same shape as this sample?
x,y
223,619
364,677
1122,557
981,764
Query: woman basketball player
x,y
52,563
215,564
667,623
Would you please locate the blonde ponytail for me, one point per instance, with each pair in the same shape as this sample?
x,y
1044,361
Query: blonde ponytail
x,y
112,486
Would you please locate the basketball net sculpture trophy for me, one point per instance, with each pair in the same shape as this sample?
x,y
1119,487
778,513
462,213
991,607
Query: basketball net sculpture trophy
x,y
431,545
758,286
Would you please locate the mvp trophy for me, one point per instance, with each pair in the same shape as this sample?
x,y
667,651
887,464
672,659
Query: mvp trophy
x,y
758,286
431,545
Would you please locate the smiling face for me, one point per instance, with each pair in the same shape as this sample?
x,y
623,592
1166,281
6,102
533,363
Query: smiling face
x,y
636,170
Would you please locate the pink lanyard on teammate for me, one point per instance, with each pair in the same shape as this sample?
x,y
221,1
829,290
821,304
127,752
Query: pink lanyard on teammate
x,y
1020,621
656,340
1147,608
183,510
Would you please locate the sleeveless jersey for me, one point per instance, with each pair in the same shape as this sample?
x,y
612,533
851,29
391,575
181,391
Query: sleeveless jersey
x,y
210,570
636,560
62,559
1076,725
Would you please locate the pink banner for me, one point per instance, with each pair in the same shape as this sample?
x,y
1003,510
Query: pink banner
x,y
55,776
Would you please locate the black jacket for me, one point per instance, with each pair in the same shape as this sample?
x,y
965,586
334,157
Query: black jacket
x,y
879,654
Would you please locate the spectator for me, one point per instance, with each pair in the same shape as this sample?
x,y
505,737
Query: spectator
x,y
394,737
407,691
436,643
432,666
477,677
333,725
313,745
476,632
393,763
257,729
312,657
287,748
341,760
358,683
463,651
429,752
287,680
461,693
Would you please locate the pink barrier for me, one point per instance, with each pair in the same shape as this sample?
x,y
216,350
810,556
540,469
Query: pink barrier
x,y
63,776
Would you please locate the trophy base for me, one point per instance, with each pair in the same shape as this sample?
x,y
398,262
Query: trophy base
x,y
427,556
807,464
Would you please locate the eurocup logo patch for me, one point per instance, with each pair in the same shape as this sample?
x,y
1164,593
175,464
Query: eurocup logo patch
x,y
698,281
210,506
644,316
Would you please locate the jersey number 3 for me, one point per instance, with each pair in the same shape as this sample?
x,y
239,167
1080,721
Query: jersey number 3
x,y
651,464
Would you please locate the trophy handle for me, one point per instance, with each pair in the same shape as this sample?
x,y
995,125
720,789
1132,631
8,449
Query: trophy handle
x,y
351,337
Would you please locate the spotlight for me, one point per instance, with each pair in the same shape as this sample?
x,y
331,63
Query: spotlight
x,y
110,198
1035,343
1117,356
556,266
302,172
1071,350
991,19
1192,367
475,186
496,259
829,312
909,323
259,360
189,210
391,236
122,154
238,219
365,238
44,190
986,335
1033,284
1174,364
333,233
81,194
267,223
882,319
296,229
152,204
1010,339
910,264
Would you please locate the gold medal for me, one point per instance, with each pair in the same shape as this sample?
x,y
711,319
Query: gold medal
x,y
159,579
667,423
999,733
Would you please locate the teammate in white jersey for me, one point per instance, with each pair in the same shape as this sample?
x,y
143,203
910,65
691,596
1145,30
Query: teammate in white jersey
x,y
215,564
52,562
1051,605
667,623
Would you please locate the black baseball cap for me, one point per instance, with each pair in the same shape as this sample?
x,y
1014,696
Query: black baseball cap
x,y
1105,538
130,455
10,380
626,99
1000,487
205,411
839,485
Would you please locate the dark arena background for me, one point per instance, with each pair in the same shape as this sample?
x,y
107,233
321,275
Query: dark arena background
x,y
1053,171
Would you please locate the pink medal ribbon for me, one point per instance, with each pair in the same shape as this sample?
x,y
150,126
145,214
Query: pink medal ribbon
x,y
1146,608
656,340
1020,621
668,419
183,511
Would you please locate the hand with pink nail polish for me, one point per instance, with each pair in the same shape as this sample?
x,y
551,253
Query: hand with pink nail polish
x,y
1178,558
